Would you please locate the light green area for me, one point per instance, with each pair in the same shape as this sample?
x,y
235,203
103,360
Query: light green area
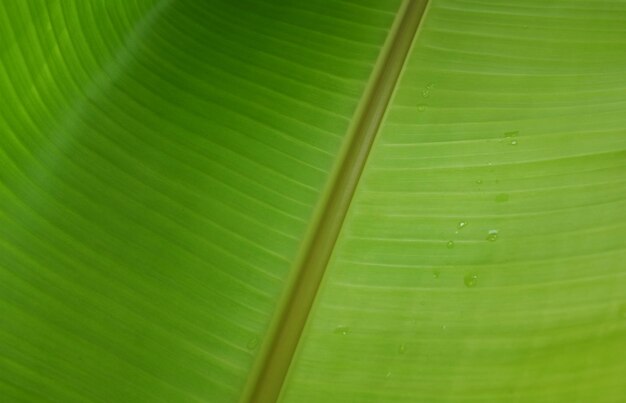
x,y
162,163
482,259
159,166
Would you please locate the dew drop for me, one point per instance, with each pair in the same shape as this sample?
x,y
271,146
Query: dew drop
x,y
450,244
461,224
492,235
502,197
252,343
388,375
513,142
435,273
421,107
479,181
444,327
402,348
342,330
470,280
427,90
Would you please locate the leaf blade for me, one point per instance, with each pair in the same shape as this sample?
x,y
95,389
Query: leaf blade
x,y
504,129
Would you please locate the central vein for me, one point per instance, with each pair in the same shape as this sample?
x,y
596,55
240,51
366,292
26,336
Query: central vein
x,y
268,375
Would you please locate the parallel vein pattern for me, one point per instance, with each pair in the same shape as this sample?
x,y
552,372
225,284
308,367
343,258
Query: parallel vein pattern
x,y
268,374
482,259
159,165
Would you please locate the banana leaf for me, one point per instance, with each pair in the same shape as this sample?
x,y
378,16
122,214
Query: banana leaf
x,y
340,201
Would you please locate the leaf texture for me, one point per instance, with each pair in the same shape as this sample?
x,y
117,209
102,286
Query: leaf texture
x,y
482,258
162,164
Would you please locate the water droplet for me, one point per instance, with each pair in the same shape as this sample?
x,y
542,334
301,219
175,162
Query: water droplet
x,y
470,280
421,107
402,348
342,330
513,142
461,224
252,343
450,244
435,273
444,327
502,197
479,181
388,375
509,135
427,90
492,235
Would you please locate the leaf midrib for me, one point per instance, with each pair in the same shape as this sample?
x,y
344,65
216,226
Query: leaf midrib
x,y
270,370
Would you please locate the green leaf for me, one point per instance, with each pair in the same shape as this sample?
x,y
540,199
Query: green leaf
x,y
160,162
174,175
482,258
